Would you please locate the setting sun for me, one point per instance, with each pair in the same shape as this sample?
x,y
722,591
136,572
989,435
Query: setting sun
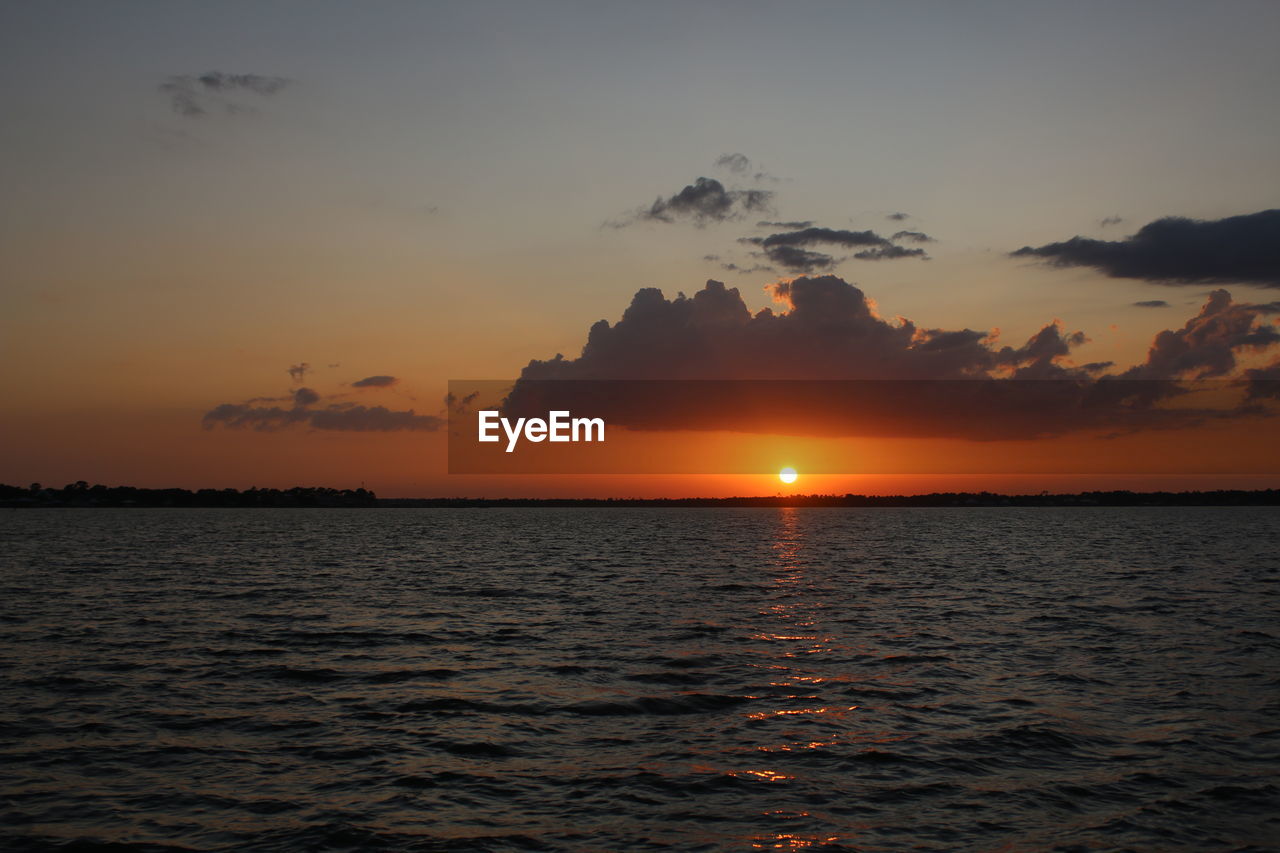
x,y
788,475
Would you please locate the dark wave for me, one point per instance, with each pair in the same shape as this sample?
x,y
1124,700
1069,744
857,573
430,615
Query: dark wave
x,y
640,679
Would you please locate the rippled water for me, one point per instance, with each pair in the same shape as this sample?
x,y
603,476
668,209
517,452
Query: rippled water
x,y
629,679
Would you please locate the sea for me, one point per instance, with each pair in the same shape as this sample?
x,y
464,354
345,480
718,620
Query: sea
x,y
628,679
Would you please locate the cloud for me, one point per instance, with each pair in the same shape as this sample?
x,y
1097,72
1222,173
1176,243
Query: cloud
x,y
913,236
791,249
1151,303
898,217
803,223
732,267
827,363
1175,250
1108,221
459,405
799,260
196,95
1207,346
883,253
827,329
705,200
372,419
739,164
1264,382
298,372
336,416
305,397
375,382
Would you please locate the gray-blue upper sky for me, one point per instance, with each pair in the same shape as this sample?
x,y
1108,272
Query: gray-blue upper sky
x,y
425,191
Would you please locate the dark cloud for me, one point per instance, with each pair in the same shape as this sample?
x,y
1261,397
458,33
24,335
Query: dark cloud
x,y
739,164
829,330
828,236
335,416
342,416
195,95
792,249
305,397
913,236
459,405
732,267
1175,250
898,217
849,371
889,253
705,200
1207,346
803,223
249,416
1151,303
298,372
375,382
1108,221
372,419
799,260
1264,382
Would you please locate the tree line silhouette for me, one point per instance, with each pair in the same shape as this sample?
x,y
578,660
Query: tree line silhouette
x,y
81,494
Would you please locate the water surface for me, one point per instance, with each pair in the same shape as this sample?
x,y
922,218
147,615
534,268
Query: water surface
x,y
630,679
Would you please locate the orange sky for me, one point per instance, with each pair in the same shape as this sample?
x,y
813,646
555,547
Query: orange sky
x,y
476,196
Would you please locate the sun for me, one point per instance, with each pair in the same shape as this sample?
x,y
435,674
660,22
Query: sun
x,y
788,475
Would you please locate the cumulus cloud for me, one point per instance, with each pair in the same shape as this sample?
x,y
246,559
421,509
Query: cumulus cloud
x,y
1176,250
1264,382
705,200
196,95
1208,345
827,363
793,250
827,329
913,236
375,382
298,372
1108,221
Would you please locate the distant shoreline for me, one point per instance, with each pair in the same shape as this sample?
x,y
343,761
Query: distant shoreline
x,y
1262,497
82,495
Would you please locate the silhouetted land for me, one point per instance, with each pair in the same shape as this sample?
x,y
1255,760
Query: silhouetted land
x,y
81,494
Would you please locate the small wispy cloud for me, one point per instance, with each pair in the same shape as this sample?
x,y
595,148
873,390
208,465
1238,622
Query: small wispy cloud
x,y
197,95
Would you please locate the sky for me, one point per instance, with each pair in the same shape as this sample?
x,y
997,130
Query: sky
x,y
201,196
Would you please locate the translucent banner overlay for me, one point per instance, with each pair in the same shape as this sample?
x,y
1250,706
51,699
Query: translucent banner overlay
x,y
979,426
